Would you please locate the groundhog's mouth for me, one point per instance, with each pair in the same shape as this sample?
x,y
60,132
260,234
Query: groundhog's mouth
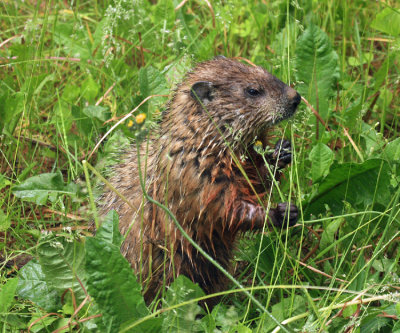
x,y
264,135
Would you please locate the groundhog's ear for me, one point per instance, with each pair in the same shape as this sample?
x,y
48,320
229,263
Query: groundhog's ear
x,y
202,91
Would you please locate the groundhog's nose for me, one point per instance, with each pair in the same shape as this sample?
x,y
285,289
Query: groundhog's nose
x,y
293,98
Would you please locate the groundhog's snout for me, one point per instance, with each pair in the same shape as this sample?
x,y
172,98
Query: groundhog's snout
x,y
293,99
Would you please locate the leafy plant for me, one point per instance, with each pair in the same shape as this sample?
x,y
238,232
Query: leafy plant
x,y
69,71
43,187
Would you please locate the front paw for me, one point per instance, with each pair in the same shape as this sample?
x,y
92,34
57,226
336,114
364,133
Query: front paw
x,y
283,153
285,214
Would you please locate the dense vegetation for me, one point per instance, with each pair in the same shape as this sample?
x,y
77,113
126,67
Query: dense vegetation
x,y
70,70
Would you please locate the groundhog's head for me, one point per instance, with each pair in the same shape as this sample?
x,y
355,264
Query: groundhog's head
x,y
239,98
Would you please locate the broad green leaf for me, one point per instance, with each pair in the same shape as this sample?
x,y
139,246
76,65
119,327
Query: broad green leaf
x,y
266,262
40,322
321,157
282,310
226,317
316,68
11,108
83,122
62,263
90,89
241,329
4,221
42,187
32,286
109,230
349,310
387,21
381,75
372,140
112,284
352,114
366,57
183,318
62,116
98,36
73,41
45,79
383,265
359,184
4,182
97,111
244,29
328,235
392,151
71,93
7,293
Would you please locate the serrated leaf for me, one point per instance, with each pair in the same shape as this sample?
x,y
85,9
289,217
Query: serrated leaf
x,y
7,293
387,21
62,263
316,68
374,324
359,184
152,82
32,286
321,157
176,71
112,284
204,49
164,14
42,187
184,317
109,230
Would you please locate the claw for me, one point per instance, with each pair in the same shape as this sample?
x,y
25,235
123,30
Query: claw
x,y
282,153
286,214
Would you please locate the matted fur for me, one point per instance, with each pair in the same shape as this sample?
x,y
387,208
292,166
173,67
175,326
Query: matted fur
x,y
189,167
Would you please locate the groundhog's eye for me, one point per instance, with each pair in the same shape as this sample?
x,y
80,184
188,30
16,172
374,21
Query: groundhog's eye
x,y
253,92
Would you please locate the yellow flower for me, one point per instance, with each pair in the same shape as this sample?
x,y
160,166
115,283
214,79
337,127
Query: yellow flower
x,y
258,147
140,118
258,143
130,123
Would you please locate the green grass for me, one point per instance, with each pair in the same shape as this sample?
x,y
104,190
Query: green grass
x,y
70,69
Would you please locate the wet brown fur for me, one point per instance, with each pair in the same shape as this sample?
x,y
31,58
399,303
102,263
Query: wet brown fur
x,y
189,167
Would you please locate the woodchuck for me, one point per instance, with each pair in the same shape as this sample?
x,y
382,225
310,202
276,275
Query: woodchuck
x,y
215,114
